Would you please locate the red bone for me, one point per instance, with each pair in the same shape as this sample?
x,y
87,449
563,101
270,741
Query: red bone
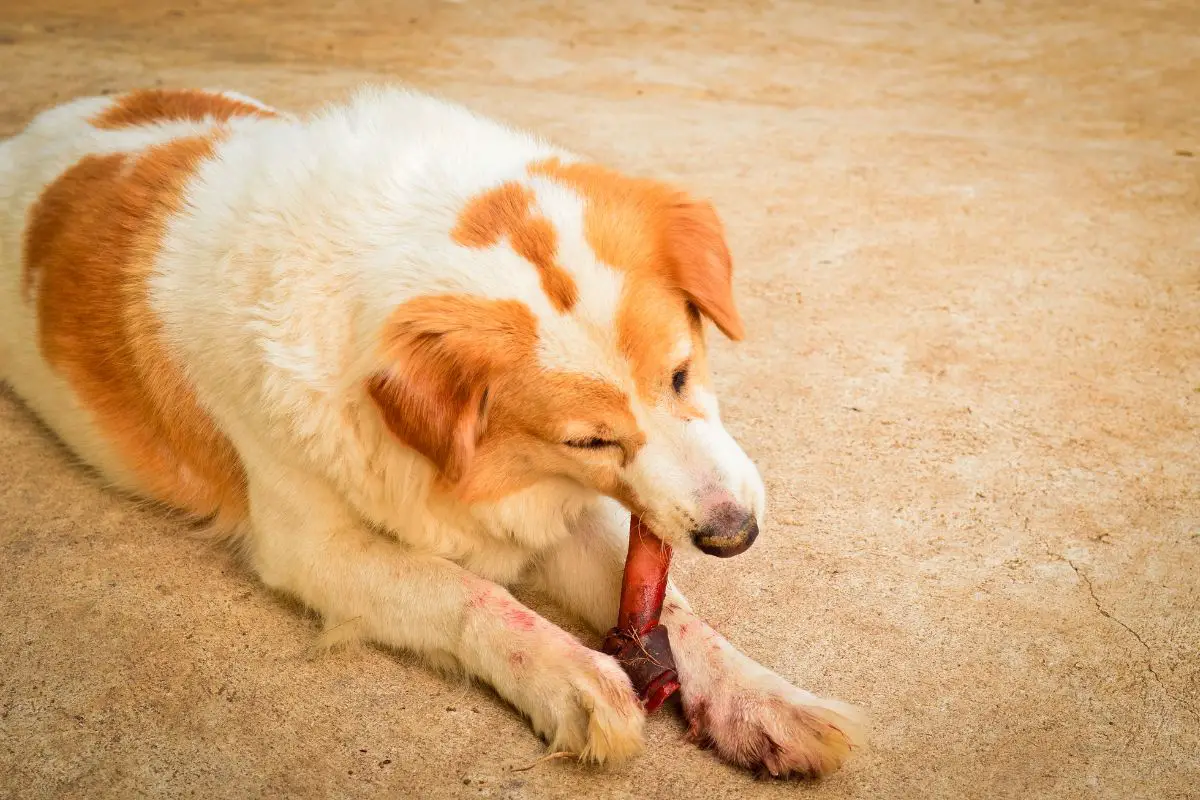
x,y
639,642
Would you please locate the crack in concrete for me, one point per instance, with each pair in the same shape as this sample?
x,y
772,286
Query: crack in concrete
x,y
1104,612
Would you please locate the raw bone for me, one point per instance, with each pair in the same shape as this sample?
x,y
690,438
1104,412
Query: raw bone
x,y
639,642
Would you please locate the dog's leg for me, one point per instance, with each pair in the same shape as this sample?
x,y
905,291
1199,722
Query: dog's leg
x,y
748,714
305,541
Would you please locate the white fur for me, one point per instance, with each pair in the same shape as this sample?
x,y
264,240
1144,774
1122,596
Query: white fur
x,y
299,239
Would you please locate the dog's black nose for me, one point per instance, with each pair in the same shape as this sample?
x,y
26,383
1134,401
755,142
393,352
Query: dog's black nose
x,y
729,530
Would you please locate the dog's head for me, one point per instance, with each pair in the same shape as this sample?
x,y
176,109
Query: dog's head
x,y
584,360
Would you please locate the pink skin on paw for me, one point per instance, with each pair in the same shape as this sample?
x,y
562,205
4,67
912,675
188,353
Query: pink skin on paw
x,y
755,722
514,615
480,598
768,734
519,619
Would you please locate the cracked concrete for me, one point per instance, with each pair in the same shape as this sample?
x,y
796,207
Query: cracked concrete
x,y
968,247
1149,653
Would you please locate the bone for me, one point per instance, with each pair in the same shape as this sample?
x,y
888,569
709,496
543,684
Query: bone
x,y
639,642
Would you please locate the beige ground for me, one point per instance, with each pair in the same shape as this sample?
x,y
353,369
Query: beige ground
x,y
969,246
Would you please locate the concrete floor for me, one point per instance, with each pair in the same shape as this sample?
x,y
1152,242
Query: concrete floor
x,y
968,236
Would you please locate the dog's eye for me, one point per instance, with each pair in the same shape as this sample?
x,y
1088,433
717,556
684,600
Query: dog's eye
x,y
594,443
679,379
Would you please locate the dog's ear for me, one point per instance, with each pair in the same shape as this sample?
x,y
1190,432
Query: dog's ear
x,y
700,262
434,406
442,355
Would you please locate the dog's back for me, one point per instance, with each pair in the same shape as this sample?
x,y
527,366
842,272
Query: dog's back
x,y
179,262
88,191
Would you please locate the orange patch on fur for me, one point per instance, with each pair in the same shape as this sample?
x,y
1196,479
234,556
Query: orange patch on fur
x,y
650,322
92,237
523,442
506,211
446,350
462,386
149,106
672,250
645,226
622,215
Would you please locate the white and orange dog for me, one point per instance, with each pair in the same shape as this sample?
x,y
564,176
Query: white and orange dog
x,y
407,357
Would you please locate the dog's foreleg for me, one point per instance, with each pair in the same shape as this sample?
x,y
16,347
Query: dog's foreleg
x,y
750,715
304,540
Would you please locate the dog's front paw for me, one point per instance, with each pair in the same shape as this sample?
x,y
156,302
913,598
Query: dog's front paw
x,y
772,732
755,719
580,701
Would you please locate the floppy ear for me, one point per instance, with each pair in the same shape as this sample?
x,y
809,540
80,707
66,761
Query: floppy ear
x,y
701,264
442,354
434,406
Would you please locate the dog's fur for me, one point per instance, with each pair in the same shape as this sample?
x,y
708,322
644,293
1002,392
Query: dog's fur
x,y
405,356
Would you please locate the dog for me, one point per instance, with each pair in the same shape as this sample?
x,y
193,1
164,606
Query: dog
x,y
407,358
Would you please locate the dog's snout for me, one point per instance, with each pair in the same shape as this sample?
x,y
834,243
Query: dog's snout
x,y
727,530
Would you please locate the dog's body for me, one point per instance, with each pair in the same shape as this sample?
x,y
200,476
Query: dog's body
x,y
406,357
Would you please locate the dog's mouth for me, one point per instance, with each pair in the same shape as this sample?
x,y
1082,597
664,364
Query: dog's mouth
x,y
726,530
